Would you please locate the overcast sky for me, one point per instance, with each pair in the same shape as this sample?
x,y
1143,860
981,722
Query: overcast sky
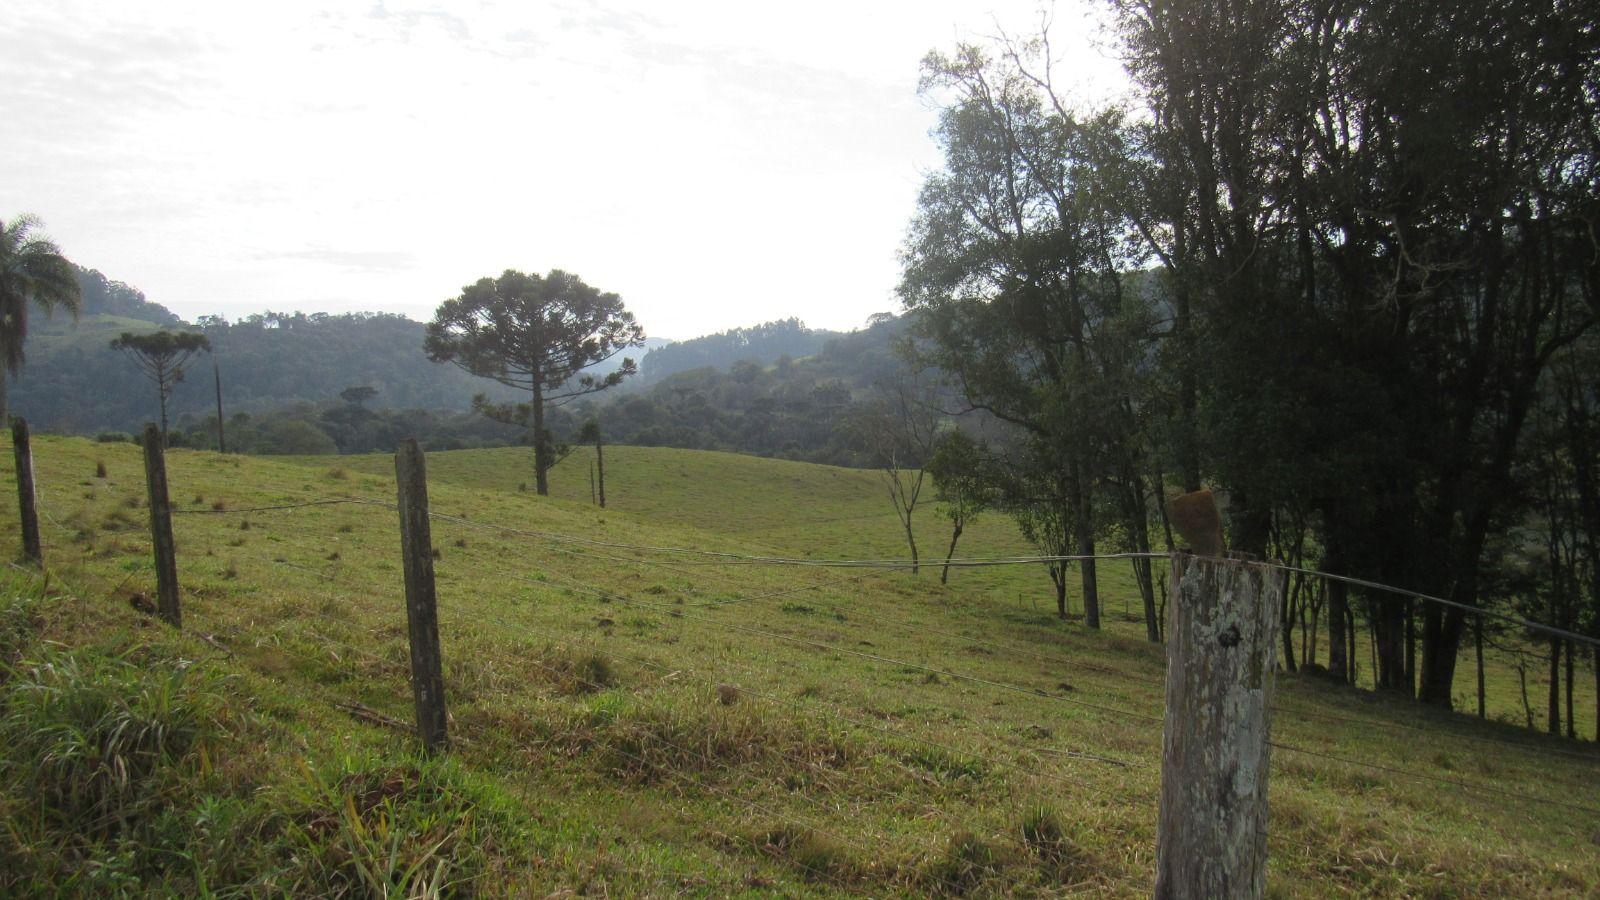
x,y
717,164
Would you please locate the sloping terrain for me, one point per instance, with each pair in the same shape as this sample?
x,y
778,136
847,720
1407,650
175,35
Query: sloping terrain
x,y
633,722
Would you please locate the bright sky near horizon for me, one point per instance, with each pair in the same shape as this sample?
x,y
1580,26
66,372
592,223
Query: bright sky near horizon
x,y
717,164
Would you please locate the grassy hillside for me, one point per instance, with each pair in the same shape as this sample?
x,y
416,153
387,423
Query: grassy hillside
x,y
636,723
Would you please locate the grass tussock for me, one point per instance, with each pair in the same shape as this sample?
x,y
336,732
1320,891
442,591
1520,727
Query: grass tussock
x,y
817,857
96,739
572,672
376,828
965,863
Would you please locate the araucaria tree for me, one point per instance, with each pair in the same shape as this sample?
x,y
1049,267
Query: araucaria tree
x,y
539,334
163,356
32,270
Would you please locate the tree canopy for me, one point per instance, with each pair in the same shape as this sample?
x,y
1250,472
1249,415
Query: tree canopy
x,y
163,357
539,334
32,271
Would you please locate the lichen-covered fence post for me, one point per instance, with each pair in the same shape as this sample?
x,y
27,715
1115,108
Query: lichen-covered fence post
x,y
161,543
1221,648
422,614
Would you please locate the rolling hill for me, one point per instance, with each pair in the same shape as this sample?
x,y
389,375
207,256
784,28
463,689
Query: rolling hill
x,y
631,721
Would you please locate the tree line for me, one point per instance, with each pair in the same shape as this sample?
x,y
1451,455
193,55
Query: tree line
x,y
1336,260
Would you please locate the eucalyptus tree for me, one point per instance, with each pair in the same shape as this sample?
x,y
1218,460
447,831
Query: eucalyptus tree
x,y
544,334
1017,262
32,272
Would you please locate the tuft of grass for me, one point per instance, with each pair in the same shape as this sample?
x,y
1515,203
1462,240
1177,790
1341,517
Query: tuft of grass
x,y
96,739
377,828
818,857
965,863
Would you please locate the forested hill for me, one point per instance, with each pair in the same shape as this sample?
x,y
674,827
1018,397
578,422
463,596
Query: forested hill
x,y
103,297
75,382
763,344
778,388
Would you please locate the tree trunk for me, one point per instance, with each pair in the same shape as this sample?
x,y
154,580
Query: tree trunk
x,y
1441,644
1389,637
1338,598
1411,647
1553,710
600,468
1058,578
1522,679
1286,623
1349,630
1083,525
4,408
541,446
1572,727
1477,639
955,535
216,376
162,392
911,540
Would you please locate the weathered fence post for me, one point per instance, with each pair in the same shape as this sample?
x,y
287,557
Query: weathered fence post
x,y
1221,644
422,616
26,497
155,477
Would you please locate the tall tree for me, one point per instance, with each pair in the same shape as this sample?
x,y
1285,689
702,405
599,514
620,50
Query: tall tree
x,y
32,271
539,334
1385,213
1017,264
163,356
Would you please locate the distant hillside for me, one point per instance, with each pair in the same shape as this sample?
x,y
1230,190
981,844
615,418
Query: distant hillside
x,y
104,297
776,389
762,344
74,382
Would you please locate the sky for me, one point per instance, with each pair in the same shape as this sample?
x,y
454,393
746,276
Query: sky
x,y
716,164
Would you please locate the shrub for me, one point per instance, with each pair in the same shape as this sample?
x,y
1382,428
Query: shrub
x,y
114,437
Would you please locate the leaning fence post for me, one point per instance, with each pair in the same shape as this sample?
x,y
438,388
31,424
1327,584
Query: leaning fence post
x,y
155,476
422,616
26,497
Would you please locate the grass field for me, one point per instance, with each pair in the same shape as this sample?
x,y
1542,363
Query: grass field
x,y
634,723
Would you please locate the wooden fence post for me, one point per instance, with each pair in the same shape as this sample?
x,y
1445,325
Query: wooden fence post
x,y
1221,646
155,477
422,615
26,497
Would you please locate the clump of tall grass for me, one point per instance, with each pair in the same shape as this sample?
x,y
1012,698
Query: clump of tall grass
x,y
966,861
818,856
375,828
95,739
